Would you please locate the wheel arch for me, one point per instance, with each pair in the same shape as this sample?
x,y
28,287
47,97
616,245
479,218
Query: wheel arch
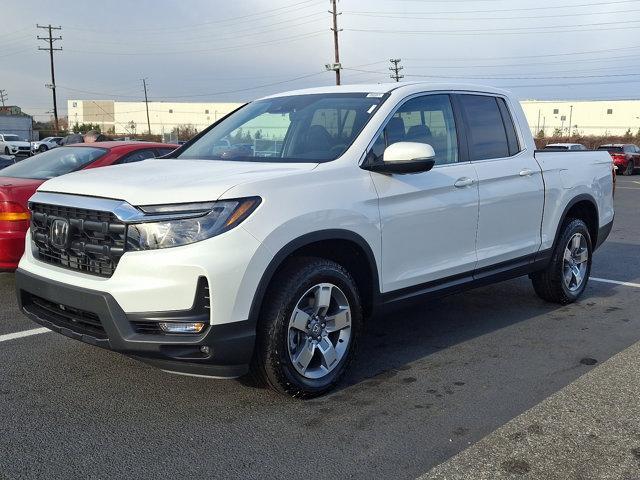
x,y
584,207
343,246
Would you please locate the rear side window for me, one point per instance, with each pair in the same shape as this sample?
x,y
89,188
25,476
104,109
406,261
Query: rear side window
x,y
486,132
137,156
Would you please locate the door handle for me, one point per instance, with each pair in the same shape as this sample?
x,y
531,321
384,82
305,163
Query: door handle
x,y
463,182
526,172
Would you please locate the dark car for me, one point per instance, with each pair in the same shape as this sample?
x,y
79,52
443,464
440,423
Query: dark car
x,y
6,160
626,156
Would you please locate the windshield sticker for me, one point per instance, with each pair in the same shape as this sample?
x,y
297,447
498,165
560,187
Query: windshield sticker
x,y
371,109
375,95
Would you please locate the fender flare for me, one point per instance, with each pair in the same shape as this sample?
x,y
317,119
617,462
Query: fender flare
x,y
302,241
578,198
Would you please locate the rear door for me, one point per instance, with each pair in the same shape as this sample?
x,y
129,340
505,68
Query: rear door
x,y
511,190
428,219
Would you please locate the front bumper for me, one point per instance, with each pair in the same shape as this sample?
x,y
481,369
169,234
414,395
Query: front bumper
x,y
96,318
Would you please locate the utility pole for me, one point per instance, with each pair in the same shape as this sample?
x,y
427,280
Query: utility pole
x,y
3,96
146,102
50,39
570,119
336,65
395,69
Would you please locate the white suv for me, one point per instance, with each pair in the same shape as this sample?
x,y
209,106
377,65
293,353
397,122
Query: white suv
x,y
218,261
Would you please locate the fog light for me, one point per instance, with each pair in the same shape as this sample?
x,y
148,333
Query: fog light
x,y
196,327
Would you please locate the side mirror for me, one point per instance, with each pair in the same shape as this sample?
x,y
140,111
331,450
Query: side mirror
x,y
405,157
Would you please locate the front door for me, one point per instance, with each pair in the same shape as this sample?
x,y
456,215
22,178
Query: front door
x,y
428,219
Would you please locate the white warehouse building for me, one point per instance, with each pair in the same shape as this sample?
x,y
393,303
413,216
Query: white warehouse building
x,y
131,117
591,117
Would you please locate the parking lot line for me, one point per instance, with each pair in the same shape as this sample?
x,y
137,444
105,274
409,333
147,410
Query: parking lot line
x,y
24,333
615,282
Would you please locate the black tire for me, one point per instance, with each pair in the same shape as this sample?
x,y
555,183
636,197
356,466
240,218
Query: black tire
x,y
42,148
548,283
272,365
629,170
7,151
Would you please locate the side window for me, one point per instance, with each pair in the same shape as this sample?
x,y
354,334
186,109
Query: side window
x,y
137,156
486,131
164,151
509,127
427,119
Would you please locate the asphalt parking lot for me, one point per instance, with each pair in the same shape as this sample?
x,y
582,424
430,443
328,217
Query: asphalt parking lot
x,y
428,383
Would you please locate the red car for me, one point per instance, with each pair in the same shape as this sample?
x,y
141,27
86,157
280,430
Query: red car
x,y
626,156
19,182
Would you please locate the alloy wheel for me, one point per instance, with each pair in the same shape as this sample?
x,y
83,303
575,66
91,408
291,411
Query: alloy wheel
x,y
319,331
575,261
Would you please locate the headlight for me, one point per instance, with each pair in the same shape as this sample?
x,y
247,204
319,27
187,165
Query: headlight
x,y
215,218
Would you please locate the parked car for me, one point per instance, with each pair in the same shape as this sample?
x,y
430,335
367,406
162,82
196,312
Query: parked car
x,y
626,157
6,160
12,145
379,194
565,146
19,182
46,144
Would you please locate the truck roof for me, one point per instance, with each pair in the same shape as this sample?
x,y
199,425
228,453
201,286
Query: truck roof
x,y
390,86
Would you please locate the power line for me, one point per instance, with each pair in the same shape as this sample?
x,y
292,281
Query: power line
x,y
273,12
525,9
50,39
395,69
502,31
209,50
211,94
408,16
212,36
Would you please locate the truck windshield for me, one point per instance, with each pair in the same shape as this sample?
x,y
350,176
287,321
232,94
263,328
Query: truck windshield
x,y
53,163
11,138
297,128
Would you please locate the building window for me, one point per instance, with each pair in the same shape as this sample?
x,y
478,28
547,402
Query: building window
x,y
74,104
609,111
170,110
206,112
556,111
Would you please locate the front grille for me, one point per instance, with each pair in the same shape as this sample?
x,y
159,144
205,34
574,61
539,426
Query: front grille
x,y
26,149
96,239
80,321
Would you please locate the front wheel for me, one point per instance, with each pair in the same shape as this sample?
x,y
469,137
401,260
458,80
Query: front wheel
x,y
308,328
42,148
7,151
566,276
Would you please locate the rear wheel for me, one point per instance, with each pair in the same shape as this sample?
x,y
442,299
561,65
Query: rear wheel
x,y
629,169
308,330
567,274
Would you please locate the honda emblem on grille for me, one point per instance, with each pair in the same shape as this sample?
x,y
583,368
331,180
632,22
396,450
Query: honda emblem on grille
x,y
59,234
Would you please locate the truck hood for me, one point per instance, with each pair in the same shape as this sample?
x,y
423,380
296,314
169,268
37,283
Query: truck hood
x,y
155,182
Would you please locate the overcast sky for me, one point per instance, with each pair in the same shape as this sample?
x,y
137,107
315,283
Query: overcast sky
x,y
210,50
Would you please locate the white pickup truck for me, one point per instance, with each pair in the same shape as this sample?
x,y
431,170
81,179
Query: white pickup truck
x,y
219,262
